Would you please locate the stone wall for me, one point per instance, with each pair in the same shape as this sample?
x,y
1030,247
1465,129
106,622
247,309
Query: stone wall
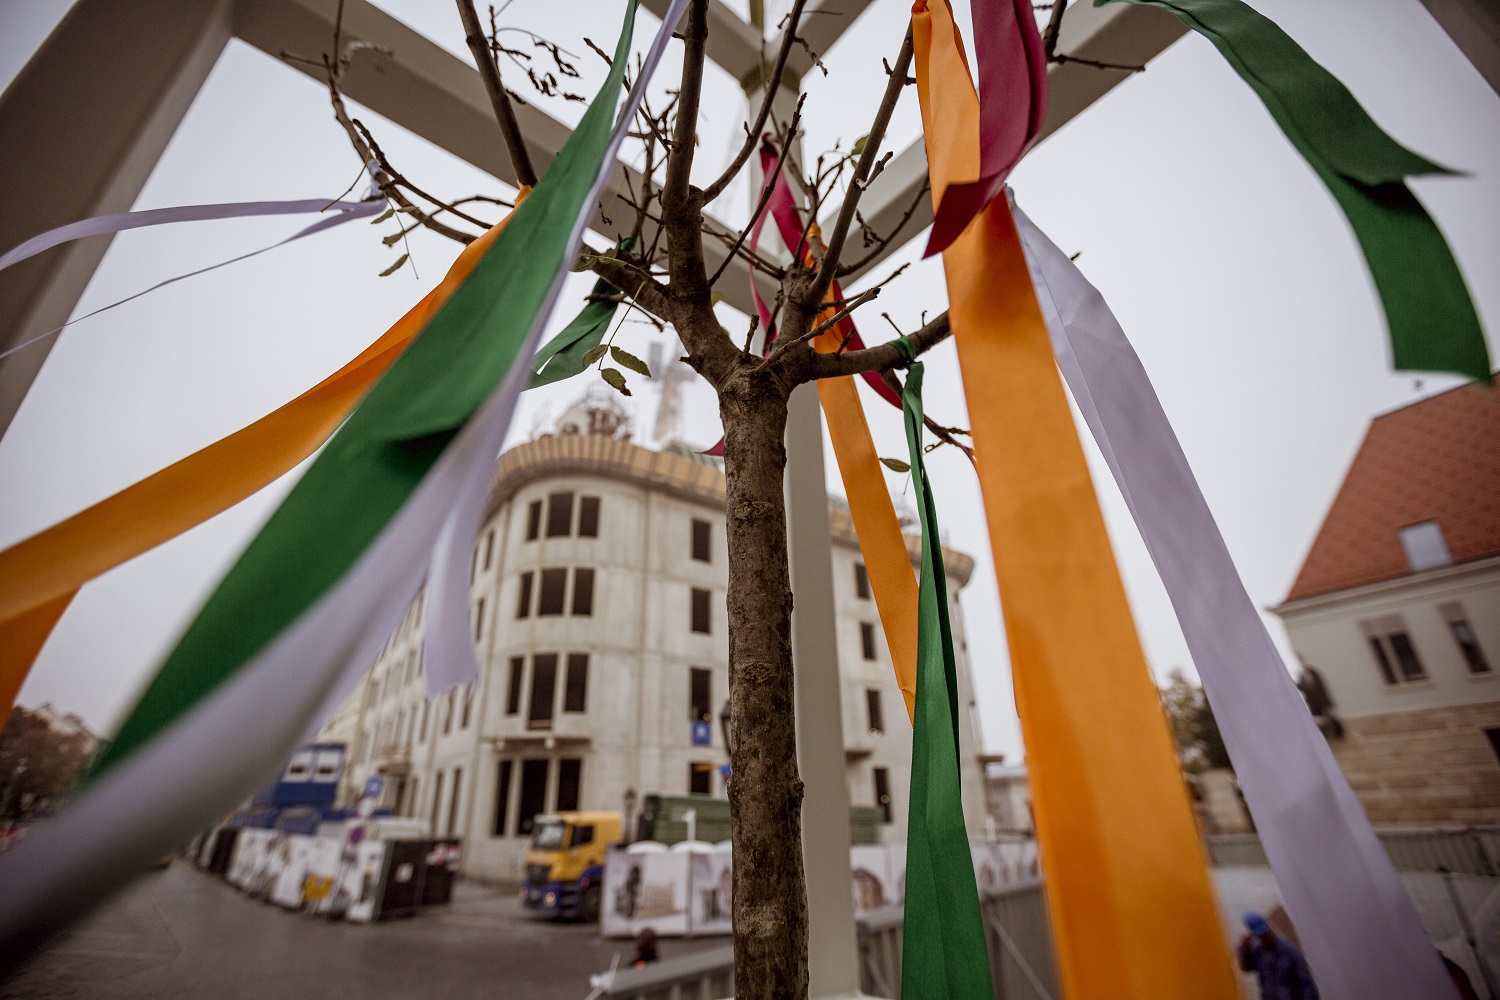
x,y
1433,766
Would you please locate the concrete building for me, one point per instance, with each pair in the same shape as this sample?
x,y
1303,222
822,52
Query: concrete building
x,y
597,600
1396,614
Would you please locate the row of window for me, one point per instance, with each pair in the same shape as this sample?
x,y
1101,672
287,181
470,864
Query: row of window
x,y
543,703
552,595
457,706
1395,652
560,521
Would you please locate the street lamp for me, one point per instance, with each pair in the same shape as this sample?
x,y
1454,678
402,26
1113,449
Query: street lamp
x,y
630,799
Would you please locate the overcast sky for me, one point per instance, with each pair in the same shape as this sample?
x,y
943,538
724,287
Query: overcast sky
x,y
1226,261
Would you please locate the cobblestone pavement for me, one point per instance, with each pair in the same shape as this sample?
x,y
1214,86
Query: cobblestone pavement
x,y
184,933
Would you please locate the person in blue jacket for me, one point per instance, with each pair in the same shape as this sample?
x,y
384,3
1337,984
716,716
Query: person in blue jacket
x,y
1276,962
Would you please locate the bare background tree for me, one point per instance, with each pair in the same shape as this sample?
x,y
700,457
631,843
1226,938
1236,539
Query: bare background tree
x,y
664,275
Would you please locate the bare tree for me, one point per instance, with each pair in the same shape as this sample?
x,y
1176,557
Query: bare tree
x,y
665,276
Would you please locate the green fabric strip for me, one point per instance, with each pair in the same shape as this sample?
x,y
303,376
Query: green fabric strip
x,y
381,453
562,356
943,951
1432,321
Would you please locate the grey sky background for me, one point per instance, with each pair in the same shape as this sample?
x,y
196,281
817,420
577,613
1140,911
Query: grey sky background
x,y
1225,260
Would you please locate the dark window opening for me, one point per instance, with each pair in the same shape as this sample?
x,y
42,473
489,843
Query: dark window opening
x,y
543,690
588,517
559,515
583,592
468,706
1468,644
582,835
554,583
883,793
700,779
1493,735
437,801
1381,660
700,687
513,694
872,707
867,640
533,520
702,534
523,598
479,619
453,798
576,684
502,798
425,706
569,774
489,548
700,611
861,582
1406,656
533,795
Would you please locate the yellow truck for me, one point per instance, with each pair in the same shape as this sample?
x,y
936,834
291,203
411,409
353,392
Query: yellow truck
x,y
565,864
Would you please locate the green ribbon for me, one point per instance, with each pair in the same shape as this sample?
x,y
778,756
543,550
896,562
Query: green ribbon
x,y
1433,325
943,951
382,452
562,356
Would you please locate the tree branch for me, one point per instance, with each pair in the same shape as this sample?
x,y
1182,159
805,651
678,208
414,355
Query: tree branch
x,y
773,86
675,194
894,85
489,72
871,359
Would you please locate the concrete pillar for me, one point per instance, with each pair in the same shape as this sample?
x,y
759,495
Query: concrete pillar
x,y
92,110
833,959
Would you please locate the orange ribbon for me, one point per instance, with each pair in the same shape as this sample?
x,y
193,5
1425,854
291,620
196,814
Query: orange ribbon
x,y
40,575
1132,909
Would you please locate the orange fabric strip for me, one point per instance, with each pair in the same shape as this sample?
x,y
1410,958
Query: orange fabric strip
x,y
1132,909
55,563
21,638
887,563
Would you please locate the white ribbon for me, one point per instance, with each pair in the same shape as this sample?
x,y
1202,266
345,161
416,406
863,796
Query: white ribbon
x,y
189,776
1359,929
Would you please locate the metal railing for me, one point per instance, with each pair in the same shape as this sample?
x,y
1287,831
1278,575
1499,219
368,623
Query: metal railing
x,y
1015,920
1466,850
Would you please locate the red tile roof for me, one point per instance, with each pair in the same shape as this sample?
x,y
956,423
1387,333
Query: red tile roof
x,y
1435,460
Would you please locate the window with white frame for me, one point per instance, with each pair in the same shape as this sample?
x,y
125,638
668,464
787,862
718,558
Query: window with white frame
x,y
1392,648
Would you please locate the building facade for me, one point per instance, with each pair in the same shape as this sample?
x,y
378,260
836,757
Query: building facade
x,y
1395,614
597,604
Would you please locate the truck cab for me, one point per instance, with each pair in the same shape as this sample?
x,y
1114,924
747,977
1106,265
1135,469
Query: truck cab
x,y
565,864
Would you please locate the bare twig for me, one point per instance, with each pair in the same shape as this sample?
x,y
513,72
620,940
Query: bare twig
x,y
882,242
1054,26
489,72
397,178
753,134
765,195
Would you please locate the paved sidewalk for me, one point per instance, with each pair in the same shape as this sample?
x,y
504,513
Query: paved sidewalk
x,y
184,933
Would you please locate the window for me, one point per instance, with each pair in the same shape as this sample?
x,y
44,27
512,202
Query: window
x,y
700,611
502,798
412,799
872,709
700,689
448,711
576,685
554,582
543,690
1425,546
569,772
437,801
700,779
463,723
453,798
1463,633
582,835
867,639
701,536
559,515
489,548
588,517
533,795
523,599
1391,645
426,705
533,520
583,592
1493,735
479,620
883,793
513,693
861,582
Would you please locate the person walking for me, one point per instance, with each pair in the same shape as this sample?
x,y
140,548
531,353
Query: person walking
x,y
1276,962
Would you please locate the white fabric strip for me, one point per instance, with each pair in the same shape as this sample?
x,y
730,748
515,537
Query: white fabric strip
x,y
1359,929
360,211
448,653
103,225
188,777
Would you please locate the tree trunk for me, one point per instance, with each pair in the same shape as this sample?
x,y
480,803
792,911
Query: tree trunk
x,y
765,793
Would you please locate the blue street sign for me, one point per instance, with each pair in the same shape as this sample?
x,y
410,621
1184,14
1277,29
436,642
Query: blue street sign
x,y
703,734
374,786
